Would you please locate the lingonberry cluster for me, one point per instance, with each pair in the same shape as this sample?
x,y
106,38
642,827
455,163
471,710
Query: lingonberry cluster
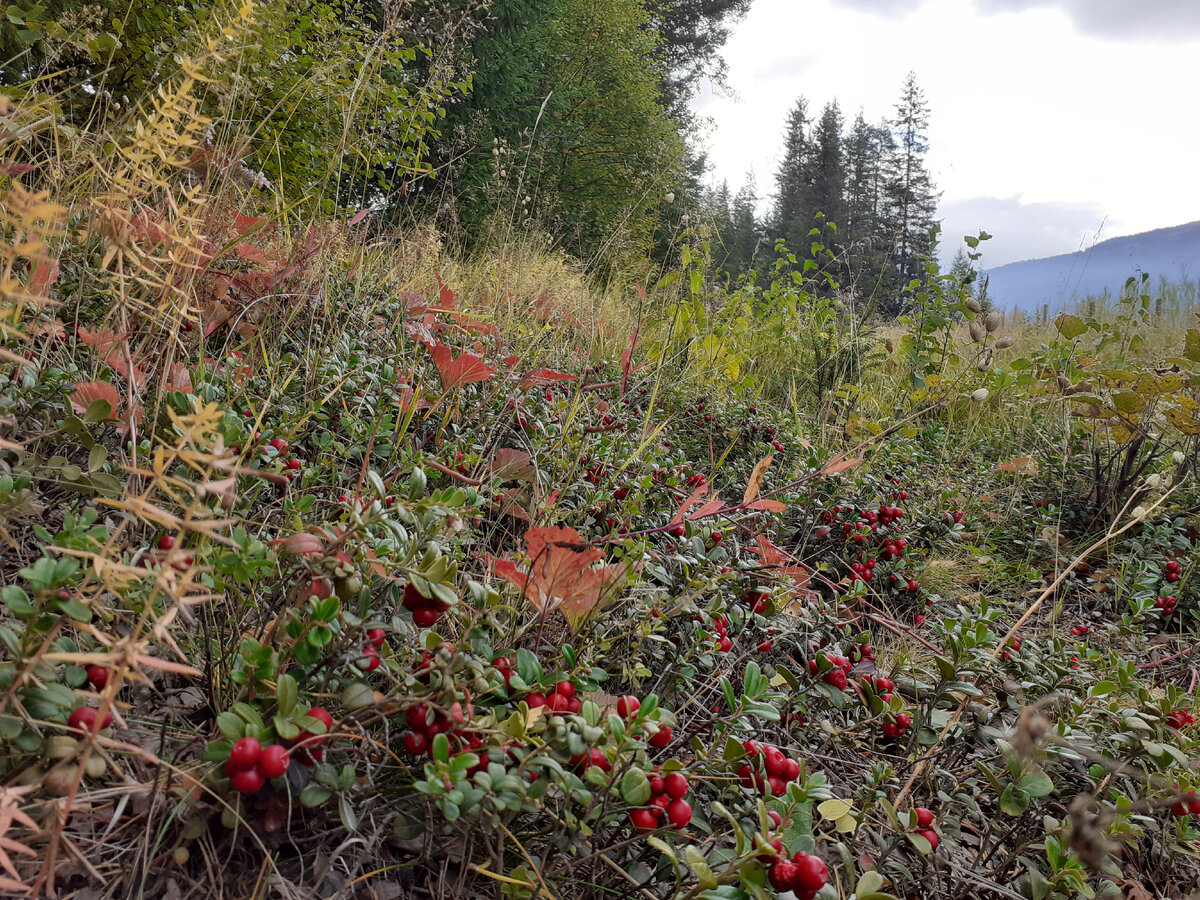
x,y
427,723
370,659
561,699
666,798
838,676
250,764
803,874
769,771
925,826
1166,604
882,686
1173,570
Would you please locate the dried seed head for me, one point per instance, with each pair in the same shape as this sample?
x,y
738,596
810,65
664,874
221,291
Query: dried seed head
x,y
1088,839
1064,383
977,331
1178,458
985,363
993,322
973,305
1005,342
980,395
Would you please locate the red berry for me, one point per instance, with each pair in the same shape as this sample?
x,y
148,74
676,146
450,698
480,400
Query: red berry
x,y
415,743
321,714
245,753
782,875
644,819
929,835
791,770
536,699
370,660
425,617
247,781
661,738
566,688
628,706
679,813
811,873
676,785
274,761
83,719
837,678
657,785
280,444
97,677
924,817
776,821
764,647
376,637
558,702
166,542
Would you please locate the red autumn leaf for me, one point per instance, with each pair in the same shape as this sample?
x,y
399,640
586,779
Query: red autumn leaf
x,y
179,379
358,216
113,352
445,294
545,378
768,505
419,331
43,274
708,509
466,368
88,392
560,577
15,168
243,225
513,465
512,502
840,464
690,502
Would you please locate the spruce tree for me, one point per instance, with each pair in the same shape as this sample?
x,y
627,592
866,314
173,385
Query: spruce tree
x,y
864,233
910,193
746,235
825,179
789,219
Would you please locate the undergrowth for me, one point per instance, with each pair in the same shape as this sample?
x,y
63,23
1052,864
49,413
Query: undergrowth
x,y
336,565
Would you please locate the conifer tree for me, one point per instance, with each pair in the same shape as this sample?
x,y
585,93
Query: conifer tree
x,y
789,219
910,193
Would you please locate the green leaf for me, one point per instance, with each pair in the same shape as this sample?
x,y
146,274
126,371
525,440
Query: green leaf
x,y
1070,326
869,883
286,694
315,795
441,748
231,725
98,411
1036,784
700,868
635,787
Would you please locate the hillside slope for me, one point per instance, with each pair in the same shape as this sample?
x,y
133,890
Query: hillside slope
x,y
1173,253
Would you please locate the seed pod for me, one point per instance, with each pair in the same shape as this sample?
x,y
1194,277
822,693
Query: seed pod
x,y
985,363
992,322
973,305
1005,342
980,395
978,332
60,746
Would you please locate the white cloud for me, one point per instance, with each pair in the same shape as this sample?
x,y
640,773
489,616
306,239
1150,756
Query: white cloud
x,y
1024,104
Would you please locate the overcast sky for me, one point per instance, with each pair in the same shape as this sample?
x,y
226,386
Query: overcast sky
x,y
1050,120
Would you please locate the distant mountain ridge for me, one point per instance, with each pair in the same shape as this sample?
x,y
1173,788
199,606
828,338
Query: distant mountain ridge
x,y
1172,253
